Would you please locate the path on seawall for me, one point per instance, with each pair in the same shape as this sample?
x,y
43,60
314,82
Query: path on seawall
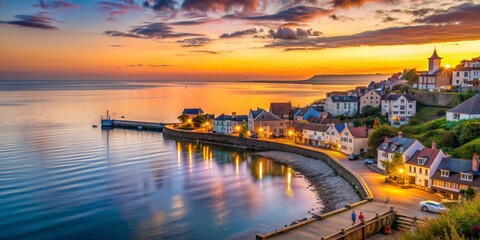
x,y
405,201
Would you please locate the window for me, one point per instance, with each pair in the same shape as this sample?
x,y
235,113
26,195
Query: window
x,y
350,140
402,101
444,173
402,107
421,161
458,74
465,74
410,168
384,154
410,106
393,147
426,172
456,116
420,170
466,177
401,149
385,145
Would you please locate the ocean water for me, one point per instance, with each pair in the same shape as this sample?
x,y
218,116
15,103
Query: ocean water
x,y
62,179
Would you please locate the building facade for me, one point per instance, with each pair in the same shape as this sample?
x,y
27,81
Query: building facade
x,y
341,105
467,110
466,75
405,146
354,140
437,76
266,124
399,108
228,124
370,98
421,166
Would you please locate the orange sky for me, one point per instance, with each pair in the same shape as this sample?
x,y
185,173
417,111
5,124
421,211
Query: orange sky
x,y
75,41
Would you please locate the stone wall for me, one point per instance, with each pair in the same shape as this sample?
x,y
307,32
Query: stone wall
x,y
342,170
437,99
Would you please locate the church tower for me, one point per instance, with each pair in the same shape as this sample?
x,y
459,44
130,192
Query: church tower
x,y
434,62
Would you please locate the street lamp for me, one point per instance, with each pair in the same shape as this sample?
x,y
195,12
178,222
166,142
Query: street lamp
x,y
290,133
261,131
237,129
401,174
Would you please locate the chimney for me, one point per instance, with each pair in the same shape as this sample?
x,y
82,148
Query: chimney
x,y
434,145
400,135
475,162
234,114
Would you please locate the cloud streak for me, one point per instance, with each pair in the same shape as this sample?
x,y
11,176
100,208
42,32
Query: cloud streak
x,y
157,30
38,21
53,5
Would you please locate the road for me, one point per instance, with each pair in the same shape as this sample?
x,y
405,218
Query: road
x,y
405,201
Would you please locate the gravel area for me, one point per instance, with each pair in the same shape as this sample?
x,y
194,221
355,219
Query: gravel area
x,y
333,190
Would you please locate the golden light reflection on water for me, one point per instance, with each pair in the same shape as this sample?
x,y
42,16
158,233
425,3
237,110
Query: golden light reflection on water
x,y
289,191
237,165
260,170
190,158
179,155
178,206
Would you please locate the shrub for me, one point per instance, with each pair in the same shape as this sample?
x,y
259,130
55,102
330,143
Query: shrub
x,y
377,137
441,112
467,150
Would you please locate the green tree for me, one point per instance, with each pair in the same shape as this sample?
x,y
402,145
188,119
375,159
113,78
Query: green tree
x,y
243,129
468,193
377,137
467,131
411,76
201,120
370,111
394,168
183,118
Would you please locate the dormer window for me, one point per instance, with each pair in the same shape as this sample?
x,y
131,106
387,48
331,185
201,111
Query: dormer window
x,y
393,147
466,177
385,145
421,161
401,149
444,173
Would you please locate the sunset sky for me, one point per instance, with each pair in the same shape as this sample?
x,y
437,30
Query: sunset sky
x,y
230,39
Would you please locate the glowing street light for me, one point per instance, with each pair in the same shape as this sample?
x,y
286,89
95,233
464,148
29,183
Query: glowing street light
x,y
261,131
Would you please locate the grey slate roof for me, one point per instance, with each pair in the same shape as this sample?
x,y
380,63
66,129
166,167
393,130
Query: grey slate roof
x,y
400,143
192,111
237,118
457,166
394,97
471,106
257,112
344,98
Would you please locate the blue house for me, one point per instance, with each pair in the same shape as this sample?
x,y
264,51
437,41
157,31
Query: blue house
x,y
305,113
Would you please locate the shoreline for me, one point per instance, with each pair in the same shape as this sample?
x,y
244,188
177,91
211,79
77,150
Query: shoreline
x,y
324,180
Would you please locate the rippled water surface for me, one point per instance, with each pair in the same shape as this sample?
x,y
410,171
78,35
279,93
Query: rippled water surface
x,y
62,179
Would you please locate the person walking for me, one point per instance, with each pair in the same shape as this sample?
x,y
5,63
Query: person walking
x,y
354,217
361,217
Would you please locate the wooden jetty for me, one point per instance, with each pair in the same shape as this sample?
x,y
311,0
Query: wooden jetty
x,y
152,126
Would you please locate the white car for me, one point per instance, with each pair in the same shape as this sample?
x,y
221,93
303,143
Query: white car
x,y
431,206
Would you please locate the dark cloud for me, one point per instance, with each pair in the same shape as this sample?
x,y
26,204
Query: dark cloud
x,y
59,4
160,65
467,12
220,5
420,12
456,24
195,42
358,3
294,14
39,21
116,46
158,30
161,5
293,34
207,52
389,19
241,33
341,18
116,8
194,22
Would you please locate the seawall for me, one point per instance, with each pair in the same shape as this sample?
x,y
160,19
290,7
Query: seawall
x,y
341,169
437,99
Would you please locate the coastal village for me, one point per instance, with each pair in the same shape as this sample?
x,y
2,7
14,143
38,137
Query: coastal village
x,y
367,123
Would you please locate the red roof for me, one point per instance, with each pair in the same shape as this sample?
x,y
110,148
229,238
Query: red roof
x,y
280,108
428,153
359,132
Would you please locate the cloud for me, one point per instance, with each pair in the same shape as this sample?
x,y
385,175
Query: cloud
x,y
358,3
160,65
242,33
467,12
294,14
116,8
157,30
195,42
453,25
389,19
291,34
220,5
161,5
341,18
116,46
207,52
39,21
59,4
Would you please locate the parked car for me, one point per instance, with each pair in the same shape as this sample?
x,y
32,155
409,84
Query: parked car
x,y
254,136
432,206
352,157
369,161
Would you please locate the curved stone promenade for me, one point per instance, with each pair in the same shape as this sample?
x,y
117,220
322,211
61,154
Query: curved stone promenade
x,y
371,184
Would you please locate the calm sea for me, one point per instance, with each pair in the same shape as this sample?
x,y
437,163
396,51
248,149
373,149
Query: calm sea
x,y
62,179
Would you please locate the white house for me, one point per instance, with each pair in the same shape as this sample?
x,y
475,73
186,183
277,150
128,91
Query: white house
x,y
399,108
467,74
466,110
332,137
228,124
421,166
354,140
406,146
341,105
314,134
